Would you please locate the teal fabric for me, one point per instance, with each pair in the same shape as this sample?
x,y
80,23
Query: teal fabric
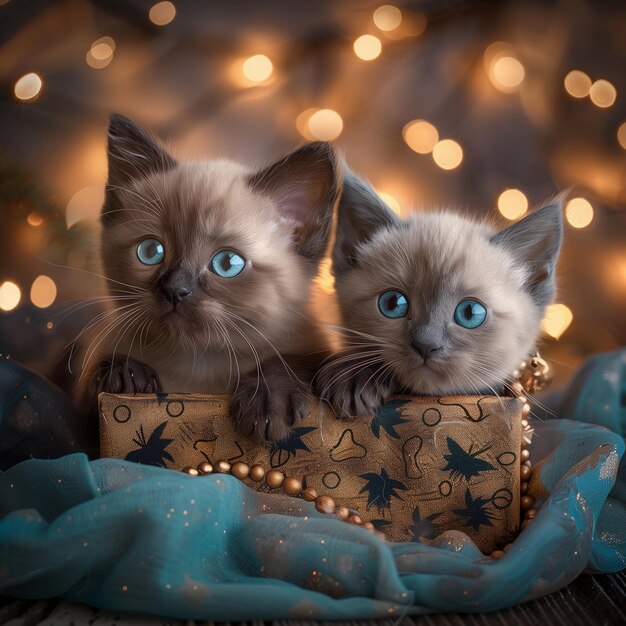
x,y
127,537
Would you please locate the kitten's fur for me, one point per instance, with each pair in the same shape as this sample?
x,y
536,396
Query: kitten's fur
x,y
436,260
249,335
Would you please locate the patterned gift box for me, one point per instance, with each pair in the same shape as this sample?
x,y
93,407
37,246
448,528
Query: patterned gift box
x,y
417,468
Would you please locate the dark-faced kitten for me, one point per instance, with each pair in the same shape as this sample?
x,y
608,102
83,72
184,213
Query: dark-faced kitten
x,y
437,304
210,264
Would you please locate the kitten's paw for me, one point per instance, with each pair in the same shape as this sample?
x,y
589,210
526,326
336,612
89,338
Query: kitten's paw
x,y
267,411
350,395
125,375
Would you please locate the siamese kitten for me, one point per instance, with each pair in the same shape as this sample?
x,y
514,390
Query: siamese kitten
x,y
437,304
209,265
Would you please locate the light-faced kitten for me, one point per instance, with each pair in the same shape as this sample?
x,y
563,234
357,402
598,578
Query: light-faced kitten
x,y
437,304
211,265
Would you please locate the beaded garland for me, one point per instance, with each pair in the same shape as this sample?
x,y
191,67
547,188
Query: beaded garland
x,y
530,376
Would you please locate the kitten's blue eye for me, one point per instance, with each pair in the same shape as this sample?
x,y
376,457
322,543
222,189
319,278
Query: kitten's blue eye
x,y
393,304
470,313
227,264
150,251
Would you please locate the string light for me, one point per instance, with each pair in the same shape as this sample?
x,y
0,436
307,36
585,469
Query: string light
x,y
10,295
603,94
387,17
621,135
367,47
35,219
579,212
577,84
557,319
100,54
28,87
421,136
257,68
447,154
162,13
324,124
43,292
391,201
512,203
84,205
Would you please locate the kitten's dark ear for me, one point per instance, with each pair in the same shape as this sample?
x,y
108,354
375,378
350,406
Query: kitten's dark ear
x,y
536,242
361,213
132,152
304,187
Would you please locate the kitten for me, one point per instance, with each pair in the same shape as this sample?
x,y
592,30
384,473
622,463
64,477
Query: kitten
x,y
437,304
210,266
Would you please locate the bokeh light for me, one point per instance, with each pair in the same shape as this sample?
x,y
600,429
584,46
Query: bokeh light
x,y
579,212
162,13
324,124
387,17
603,94
507,74
557,320
577,84
447,154
367,47
391,201
512,203
28,87
100,54
257,68
621,135
10,295
35,219
421,136
325,278
85,205
43,292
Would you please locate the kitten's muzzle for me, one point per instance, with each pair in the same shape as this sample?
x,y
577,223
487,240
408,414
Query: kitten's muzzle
x,y
176,287
425,342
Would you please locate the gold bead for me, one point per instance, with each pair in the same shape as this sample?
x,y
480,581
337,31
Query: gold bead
x,y
526,410
524,424
516,374
526,523
517,388
343,512
240,470
380,534
525,455
309,494
524,487
257,473
223,467
530,514
205,468
292,486
355,519
507,547
523,399
192,471
368,525
526,502
497,554
525,472
325,504
274,479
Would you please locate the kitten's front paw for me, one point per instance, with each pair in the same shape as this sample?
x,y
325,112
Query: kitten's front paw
x,y
267,411
125,375
354,394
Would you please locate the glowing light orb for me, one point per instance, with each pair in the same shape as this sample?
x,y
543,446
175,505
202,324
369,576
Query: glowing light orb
x,y
367,47
325,124
387,17
447,154
391,201
162,13
507,74
28,87
43,292
557,319
257,68
579,212
577,84
10,295
512,203
603,94
421,136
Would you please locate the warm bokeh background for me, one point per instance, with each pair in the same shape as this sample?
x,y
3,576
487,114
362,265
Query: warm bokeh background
x,y
488,106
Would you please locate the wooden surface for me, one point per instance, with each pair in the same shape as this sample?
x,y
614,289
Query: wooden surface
x,y
588,601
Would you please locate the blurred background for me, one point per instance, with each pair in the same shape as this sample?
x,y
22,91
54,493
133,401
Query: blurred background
x,y
490,107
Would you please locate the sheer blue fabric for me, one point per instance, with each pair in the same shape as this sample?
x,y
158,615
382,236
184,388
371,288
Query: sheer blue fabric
x,y
126,537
